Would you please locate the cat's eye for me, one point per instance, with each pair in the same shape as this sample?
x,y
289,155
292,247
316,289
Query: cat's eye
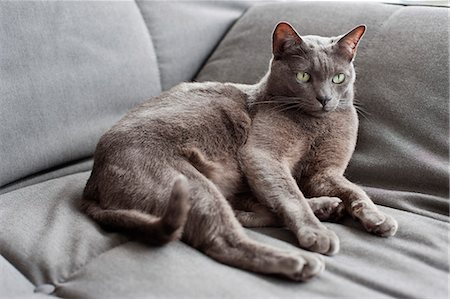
x,y
303,77
339,78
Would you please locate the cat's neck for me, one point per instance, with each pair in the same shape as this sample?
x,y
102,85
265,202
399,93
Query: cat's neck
x,y
255,92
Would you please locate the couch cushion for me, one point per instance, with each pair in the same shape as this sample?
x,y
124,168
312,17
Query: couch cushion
x,y
186,32
409,266
48,174
13,283
44,235
50,242
402,83
68,71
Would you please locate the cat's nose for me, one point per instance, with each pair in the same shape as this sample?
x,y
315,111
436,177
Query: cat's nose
x,y
323,100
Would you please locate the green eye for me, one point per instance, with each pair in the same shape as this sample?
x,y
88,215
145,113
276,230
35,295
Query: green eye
x,y
303,77
339,78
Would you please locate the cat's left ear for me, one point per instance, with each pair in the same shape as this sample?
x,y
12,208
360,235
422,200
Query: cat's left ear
x,y
349,42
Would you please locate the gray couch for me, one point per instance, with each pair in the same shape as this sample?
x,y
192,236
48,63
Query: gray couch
x,y
69,70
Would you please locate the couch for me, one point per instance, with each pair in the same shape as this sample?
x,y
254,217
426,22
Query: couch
x,y
70,70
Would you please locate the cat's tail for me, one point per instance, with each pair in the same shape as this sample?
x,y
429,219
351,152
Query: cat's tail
x,y
144,226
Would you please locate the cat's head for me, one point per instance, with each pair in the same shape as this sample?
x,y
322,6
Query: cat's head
x,y
313,73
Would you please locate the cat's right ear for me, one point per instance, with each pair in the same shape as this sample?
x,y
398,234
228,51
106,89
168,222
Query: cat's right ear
x,y
284,38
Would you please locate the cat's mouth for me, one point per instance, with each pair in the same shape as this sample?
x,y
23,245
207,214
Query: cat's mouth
x,y
326,109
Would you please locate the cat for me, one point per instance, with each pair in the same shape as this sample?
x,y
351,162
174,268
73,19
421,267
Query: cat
x,y
202,160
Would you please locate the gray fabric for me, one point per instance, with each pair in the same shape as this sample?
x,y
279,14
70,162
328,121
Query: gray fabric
x,y
68,71
14,285
49,239
361,270
49,174
12,282
402,83
185,33
56,244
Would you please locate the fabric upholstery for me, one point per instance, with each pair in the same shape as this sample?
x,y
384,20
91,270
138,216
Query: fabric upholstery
x,y
53,239
185,33
14,283
48,174
68,71
56,244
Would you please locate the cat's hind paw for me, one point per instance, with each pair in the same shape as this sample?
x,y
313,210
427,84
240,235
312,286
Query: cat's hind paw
x,y
302,267
327,208
321,240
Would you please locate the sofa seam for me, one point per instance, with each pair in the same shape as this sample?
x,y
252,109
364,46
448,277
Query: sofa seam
x,y
36,175
224,35
382,26
158,69
416,5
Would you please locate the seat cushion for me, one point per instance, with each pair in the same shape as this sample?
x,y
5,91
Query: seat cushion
x,y
49,241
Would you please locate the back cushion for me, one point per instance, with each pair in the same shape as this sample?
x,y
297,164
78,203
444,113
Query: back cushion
x,y
185,33
402,68
68,71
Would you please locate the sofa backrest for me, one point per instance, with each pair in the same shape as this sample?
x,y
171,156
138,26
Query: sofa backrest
x,y
69,70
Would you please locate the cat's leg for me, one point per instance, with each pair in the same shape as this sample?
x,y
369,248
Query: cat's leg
x,y
251,213
212,228
247,254
274,186
142,225
257,219
356,202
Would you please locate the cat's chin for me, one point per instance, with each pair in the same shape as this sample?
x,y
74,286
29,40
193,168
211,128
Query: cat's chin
x,y
320,113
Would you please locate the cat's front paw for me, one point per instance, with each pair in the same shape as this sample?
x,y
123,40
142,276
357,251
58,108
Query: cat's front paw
x,y
375,221
321,240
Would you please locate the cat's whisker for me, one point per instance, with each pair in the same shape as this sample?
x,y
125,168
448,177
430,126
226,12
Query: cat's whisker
x,y
362,112
296,105
276,102
277,108
280,108
272,102
283,105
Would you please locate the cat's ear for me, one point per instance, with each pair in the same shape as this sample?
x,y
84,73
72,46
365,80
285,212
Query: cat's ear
x,y
349,42
284,38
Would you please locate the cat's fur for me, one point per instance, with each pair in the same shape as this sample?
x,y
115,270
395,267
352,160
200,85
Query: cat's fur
x,y
176,166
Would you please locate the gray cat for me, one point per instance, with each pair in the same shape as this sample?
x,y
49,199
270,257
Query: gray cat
x,y
186,164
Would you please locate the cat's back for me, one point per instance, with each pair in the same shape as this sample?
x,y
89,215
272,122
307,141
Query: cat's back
x,y
192,113
192,99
